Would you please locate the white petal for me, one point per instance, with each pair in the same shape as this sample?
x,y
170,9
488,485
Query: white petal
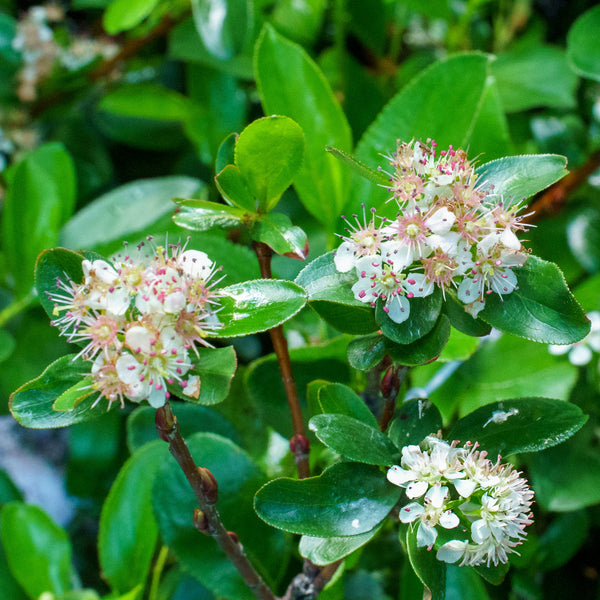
x,y
447,243
437,495
195,263
465,487
426,535
117,301
441,221
509,239
469,290
138,338
128,369
480,532
416,489
362,290
396,254
410,512
417,285
451,551
558,349
156,398
475,308
448,520
399,308
580,355
344,258
399,476
505,283
175,302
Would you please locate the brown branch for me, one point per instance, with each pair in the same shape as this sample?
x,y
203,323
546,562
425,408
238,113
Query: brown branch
x,y
390,388
552,200
309,584
206,518
299,444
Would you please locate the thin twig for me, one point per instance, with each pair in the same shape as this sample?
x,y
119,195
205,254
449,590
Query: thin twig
x,y
299,443
207,519
390,387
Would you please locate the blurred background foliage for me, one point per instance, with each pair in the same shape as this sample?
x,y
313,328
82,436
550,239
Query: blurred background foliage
x,y
110,108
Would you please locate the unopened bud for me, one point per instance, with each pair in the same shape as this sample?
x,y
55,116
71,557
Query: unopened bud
x,y
390,384
233,536
165,422
210,487
300,447
200,521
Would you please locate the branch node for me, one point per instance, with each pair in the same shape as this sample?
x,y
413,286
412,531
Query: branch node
x,y
210,487
201,522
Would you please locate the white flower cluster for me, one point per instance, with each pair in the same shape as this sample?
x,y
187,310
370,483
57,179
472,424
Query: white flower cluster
x,y
581,353
137,317
448,232
460,488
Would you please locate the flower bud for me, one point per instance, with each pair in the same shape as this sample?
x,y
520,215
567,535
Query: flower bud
x,y
233,536
200,521
210,487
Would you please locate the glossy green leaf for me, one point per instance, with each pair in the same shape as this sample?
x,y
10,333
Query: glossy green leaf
x,y
233,188
424,313
420,110
258,306
223,26
8,584
39,199
32,404
330,295
561,541
128,530
428,568
365,352
277,231
299,20
459,347
322,182
583,234
541,309
347,499
238,478
127,210
215,367
339,399
226,152
38,551
502,369
7,344
354,439
534,76
68,400
373,175
122,15
583,45
424,349
201,215
521,425
269,153
324,551
516,178
454,309
462,582
413,421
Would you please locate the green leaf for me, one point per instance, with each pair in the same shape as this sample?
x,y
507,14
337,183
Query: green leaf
x,y
223,26
420,110
269,153
8,490
501,369
40,198
233,188
216,368
534,76
339,399
583,45
347,499
424,313
324,551
129,209
458,347
373,175
521,425
201,215
561,541
516,178
461,319
128,530
37,550
7,344
174,504
276,230
330,295
367,351
583,233
68,400
428,568
541,309
424,349
321,183
354,439
32,404
226,153
258,306
414,421
122,15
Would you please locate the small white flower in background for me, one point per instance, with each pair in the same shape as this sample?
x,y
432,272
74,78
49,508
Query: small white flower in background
x,y
581,353
455,486
449,232
137,316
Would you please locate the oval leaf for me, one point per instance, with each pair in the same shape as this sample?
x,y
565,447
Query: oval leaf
x,y
215,367
258,306
128,530
541,309
37,550
32,404
233,188
276,230
521,425
339,399
269,153
414,421
201,215
347,499
583,44
354,439
367,351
